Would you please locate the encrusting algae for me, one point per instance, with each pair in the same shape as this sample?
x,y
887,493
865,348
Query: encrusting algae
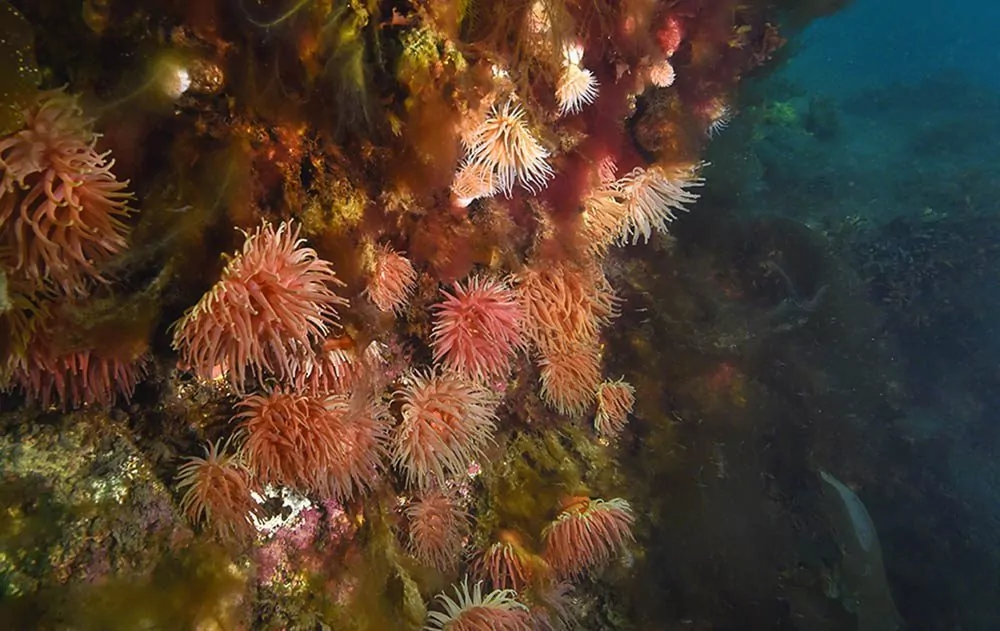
x,y
341,275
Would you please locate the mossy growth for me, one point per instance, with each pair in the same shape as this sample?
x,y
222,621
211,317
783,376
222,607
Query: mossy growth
x,y
539,471
198,588
339,208
781,113
118,326
19,72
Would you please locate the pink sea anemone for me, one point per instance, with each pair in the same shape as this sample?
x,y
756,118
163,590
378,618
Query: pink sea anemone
x,y
217,493
615,400
477,329
447,422
670,34
62,211
275,300
471,610
391,280
362,447
587,534
438,529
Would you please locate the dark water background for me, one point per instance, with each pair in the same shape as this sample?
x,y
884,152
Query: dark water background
x,y
882,132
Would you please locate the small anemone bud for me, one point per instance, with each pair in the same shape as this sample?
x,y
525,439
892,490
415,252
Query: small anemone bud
x,y
661,74
573,53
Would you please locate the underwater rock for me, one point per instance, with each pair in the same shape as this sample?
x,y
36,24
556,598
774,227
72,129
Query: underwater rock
x,y
863,585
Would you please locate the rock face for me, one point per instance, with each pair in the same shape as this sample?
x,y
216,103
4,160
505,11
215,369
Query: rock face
x,y
864,589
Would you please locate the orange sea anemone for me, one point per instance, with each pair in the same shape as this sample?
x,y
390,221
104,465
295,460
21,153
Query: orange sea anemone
x,y
275,300
570,377
508,564
587,534
615,400
447,422
295,440
506,146
565,304
391,280
217,493
576,86
477,329
438,528
62,211
471,610
74,379
362,446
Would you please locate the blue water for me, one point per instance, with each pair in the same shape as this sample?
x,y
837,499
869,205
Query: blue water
x,y
872,43
912,165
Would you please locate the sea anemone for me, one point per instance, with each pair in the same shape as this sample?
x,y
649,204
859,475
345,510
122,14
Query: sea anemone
x,y
473,181
74,379
570,377
615,400
295,440
505,145
217,493
391,280
717,115
330,370
604,218
62,211
274,301
576,86
565,304
653,195
438,528
552,607
477,328
661,73
447,422
472,611
508,564
362,447
587,534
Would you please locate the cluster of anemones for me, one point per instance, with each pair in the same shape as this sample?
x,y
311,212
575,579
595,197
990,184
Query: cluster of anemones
x,y
265,327
585,535
62,217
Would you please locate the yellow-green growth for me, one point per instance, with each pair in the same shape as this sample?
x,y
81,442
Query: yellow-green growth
x,y
526,487
339,209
